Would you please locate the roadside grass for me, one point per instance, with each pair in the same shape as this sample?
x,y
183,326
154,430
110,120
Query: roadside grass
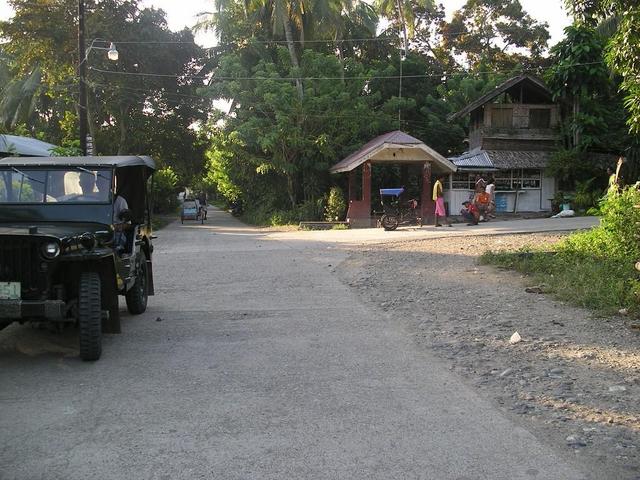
x,y
592,269
602,284
161,220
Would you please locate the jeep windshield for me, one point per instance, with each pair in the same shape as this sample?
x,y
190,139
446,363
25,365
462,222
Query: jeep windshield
x,y
60,185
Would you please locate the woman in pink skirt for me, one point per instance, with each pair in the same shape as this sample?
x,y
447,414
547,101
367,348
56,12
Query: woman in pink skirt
x,y
439,199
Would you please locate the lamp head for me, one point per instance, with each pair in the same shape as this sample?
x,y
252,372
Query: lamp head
x,y
112,54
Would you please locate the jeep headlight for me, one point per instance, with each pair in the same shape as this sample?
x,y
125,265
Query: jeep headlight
x,y
50,250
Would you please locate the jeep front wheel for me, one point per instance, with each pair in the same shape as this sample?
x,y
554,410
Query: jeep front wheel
x,y
90,316
137,295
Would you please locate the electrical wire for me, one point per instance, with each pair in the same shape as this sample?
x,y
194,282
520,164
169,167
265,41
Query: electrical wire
x,y
360,77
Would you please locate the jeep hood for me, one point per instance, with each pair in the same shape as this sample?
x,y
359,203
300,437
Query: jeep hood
x,y
59,230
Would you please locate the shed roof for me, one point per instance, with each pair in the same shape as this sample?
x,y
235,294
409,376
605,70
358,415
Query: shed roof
x,y
533,83
501,159
16,145
391,140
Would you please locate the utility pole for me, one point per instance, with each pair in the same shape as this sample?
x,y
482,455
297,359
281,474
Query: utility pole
x,y
82,73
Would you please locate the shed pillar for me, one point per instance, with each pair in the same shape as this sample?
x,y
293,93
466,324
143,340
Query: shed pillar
x,y
352,186
359,212
427,204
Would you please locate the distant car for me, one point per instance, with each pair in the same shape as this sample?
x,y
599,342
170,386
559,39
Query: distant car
x,y
64,258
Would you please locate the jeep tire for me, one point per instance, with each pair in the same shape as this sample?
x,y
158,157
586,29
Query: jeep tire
x,y
138,295
90,316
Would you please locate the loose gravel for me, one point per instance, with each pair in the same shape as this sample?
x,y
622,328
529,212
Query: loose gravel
x,y
572,380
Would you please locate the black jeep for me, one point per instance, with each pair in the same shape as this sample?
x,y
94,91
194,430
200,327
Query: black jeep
x,y
75,232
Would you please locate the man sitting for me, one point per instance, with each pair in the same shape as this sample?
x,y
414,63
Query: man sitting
x,y
482,201
121,215
470,213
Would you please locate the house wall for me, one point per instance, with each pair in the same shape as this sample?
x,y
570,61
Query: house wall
x,y
516,136
529,199
548,191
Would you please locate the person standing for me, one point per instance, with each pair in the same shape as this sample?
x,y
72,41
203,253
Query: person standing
x,y
438,198
491,190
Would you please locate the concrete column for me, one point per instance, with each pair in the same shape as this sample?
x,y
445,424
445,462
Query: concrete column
x,y
427,205
366,184
352,189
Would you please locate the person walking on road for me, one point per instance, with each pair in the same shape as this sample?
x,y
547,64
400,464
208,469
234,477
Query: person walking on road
x,y
439,199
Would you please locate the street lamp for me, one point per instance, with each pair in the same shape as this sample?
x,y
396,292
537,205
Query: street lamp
x,y
112,54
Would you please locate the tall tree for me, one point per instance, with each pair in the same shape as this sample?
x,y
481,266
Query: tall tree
x,y
149,94
495,35
623,45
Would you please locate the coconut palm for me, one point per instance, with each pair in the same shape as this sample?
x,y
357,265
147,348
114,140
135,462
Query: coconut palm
x,y
19,95
401,12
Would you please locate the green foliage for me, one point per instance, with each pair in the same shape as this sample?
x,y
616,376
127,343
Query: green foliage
x,y
576,66
340,226
67,149
595,268
585,196
165,183
336,205
489,33
623,52
619,21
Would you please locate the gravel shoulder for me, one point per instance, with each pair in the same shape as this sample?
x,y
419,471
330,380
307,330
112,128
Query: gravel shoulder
x,y
573,380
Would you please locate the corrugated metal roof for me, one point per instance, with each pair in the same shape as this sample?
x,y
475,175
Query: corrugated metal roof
x,y
505,159
477,159
501,159
15,145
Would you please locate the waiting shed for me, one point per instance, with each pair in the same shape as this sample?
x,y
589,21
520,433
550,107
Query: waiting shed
x,y
390,148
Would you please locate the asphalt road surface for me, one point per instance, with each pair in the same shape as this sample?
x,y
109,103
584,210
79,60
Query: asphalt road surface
x,y
252,362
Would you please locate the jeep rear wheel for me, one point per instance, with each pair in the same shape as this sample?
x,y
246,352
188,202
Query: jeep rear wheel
x,y
138,294
90,316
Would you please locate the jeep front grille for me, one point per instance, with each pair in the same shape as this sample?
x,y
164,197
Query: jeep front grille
x,y
19,262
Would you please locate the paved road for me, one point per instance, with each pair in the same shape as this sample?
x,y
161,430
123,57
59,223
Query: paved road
x,y
252,362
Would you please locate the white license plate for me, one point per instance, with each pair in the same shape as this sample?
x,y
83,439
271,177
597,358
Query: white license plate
x,y
9,290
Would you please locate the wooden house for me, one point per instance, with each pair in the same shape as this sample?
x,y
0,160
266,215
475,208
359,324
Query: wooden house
x,y
512,136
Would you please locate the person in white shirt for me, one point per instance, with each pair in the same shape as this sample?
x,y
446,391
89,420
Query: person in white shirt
x,y
120,205
491,190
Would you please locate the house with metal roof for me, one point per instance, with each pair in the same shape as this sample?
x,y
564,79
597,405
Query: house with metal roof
x,y
512,136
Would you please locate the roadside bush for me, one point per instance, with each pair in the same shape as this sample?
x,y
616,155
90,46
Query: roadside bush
x,y
164,191
336,205
616,235
593,269
265,215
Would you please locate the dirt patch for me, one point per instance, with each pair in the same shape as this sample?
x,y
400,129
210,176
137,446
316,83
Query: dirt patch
x,y
573,380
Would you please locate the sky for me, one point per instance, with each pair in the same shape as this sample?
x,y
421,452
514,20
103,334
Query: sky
x,y
183,13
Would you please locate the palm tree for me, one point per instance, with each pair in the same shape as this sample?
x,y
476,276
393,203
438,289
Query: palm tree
x,y
400,12
19,96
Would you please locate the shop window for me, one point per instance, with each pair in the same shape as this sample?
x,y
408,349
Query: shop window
x,y
462,180
517,179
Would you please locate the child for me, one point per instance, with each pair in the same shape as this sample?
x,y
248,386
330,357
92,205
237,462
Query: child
x,y
470,213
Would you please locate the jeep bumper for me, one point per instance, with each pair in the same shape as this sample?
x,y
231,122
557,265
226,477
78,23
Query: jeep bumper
x,y
17,309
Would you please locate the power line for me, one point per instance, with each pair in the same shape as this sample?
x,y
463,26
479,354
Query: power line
x,y
359,77
251,40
